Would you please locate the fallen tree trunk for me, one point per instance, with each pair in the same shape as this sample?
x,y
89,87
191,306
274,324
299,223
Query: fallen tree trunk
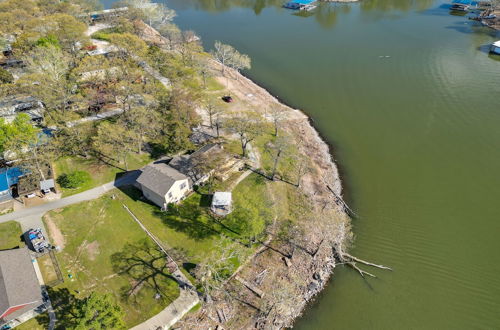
x,y
361,261
360,271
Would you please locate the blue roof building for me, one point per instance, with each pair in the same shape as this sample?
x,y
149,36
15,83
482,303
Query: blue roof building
x,y
8,178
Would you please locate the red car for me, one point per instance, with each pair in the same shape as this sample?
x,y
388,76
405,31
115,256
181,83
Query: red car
x,y
227,99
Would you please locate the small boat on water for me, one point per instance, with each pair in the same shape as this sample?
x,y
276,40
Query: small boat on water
x,y
495,47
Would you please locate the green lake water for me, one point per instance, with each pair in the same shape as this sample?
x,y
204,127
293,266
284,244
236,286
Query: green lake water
x,y
409,99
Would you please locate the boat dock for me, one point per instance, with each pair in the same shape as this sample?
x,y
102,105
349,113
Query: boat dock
x,y
303,5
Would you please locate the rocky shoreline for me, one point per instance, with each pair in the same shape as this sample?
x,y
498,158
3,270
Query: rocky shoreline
x,y
291,272
323,187
298,269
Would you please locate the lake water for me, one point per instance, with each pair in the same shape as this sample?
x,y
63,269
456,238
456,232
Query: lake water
x,y
410,100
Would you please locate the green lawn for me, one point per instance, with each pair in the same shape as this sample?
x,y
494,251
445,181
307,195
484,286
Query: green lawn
x,y
98,237
36,323
192,232
100,172
47,268
10,235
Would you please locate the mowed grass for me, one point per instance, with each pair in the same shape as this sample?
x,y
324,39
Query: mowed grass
x,y
100,173
47,268
94,233
33,324
10,235
190,229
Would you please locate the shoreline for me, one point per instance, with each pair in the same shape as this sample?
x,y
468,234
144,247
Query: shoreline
x,y
314,272
300,273
331,145
327,272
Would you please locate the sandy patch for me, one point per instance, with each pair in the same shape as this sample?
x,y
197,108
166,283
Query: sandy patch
x,y
93,250
55,234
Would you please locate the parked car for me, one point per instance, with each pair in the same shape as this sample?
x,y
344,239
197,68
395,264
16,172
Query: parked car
x,y
227,99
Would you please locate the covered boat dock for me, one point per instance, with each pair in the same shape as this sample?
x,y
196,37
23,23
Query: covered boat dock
x,y
301,4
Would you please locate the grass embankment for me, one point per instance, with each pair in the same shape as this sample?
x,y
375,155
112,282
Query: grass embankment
x,y
97,237
100,172
10,235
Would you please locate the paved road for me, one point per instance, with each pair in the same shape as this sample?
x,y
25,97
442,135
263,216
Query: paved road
x,y
27,216
100,116
172,313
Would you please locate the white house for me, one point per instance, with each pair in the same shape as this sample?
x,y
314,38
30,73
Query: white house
x,y
163,184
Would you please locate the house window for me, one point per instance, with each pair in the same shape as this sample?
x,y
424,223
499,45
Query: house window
x,y
169,195
183,186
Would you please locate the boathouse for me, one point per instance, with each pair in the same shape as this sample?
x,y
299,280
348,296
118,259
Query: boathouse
x,y
300,4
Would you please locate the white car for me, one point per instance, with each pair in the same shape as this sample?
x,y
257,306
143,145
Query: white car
x,y
31,195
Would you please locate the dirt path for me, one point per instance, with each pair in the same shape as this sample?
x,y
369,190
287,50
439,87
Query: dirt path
x,y
55,233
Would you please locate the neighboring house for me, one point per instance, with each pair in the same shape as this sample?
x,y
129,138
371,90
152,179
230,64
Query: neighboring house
x,y
9,178
32,181
20,290
99,74
163,184
11,106
104,14
222,203
209,160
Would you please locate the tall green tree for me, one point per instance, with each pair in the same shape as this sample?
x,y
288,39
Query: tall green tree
x,y
49,78
143,123
97,312
114,141
18,136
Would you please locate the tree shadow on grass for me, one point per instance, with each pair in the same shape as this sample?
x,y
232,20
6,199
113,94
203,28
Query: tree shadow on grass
x,y
188,217
206,200
64,304
146,266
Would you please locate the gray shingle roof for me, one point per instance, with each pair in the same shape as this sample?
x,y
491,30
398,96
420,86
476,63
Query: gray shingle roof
x,y
160,178
18,281
186,163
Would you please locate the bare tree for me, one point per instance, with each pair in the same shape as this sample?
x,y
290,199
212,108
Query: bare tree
x,y
211,111
155,14
213,272
247,126
227,55
218,120
277,150
277,115
223,54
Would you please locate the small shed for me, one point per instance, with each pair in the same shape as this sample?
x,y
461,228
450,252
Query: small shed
x,y
222,203
47,185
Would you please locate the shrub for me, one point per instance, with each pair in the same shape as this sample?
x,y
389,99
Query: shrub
x,y
73,180
48,41
5,77
101,36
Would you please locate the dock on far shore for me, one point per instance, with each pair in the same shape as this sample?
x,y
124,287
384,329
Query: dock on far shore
x,y
306,5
